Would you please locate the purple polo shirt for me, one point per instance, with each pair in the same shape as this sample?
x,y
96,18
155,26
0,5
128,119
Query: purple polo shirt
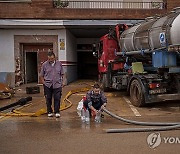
x,y
52,74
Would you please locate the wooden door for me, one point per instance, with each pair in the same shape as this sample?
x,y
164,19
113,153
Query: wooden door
x,y
42,50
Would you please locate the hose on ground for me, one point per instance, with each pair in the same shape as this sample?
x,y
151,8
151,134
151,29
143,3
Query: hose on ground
x,y
42,111
127,130
140,122
166,126
21,102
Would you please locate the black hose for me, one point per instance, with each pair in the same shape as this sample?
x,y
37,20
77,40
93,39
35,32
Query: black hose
x,y
140,122
126,130
22,101
167,126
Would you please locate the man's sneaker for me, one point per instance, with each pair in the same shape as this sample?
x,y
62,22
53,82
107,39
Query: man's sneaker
x,y
50,115
58,115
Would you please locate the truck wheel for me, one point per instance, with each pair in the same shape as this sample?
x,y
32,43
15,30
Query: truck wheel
x,y
177,84
104,82
136,94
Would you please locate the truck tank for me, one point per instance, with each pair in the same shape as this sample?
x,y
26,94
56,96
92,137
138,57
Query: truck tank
x,y
154,33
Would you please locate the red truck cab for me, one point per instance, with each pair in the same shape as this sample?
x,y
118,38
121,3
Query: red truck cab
x,y
108,47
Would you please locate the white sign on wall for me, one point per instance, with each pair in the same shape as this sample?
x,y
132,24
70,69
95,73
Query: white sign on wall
x,y
62,44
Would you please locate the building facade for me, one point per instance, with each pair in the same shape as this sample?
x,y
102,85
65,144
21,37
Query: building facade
x,y
31,28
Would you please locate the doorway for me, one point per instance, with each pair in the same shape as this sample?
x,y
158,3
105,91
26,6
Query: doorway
x,y
87,66
31,69
34,56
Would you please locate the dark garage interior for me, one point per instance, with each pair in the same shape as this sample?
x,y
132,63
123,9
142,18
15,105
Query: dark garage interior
x,y
87,66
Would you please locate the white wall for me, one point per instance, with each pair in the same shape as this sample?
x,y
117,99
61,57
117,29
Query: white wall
x,y
7,59
70,47
71,57
62,53
7,63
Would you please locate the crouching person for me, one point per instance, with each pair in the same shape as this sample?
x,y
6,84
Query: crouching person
x,y
95,101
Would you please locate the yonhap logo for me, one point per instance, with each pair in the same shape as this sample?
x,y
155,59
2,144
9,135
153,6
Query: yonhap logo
x,y
154,140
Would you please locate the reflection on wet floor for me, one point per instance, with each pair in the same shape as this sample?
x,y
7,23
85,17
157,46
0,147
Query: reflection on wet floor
x,y
68,134
64,124
70,120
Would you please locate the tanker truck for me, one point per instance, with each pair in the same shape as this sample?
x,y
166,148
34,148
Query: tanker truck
x,y
143,59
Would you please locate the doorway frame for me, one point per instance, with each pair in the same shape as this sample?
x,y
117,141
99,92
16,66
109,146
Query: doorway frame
x,y
19,40
23,53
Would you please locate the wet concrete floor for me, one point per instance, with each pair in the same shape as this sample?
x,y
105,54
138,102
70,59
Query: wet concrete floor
x,y
68,135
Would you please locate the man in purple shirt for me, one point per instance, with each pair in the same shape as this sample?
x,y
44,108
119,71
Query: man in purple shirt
x,y
52,78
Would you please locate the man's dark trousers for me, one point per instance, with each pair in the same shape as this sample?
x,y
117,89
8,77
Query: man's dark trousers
x,y
56,93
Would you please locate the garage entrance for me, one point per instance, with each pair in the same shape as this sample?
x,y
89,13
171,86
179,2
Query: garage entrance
x,y
34,56
87,66
86,35
87,63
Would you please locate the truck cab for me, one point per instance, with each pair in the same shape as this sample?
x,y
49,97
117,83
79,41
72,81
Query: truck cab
x,y
108,61
147,73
